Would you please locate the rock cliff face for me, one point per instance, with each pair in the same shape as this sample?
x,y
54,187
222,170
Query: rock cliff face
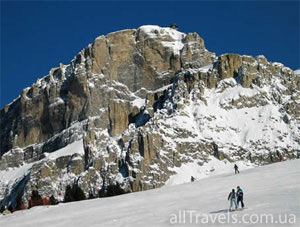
x,y
137,103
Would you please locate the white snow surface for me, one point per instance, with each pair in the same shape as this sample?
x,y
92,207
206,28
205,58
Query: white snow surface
x,y
12,175
139,102
271,190
154,32
163,31
74,148
262,125
57,102
297,72
212,168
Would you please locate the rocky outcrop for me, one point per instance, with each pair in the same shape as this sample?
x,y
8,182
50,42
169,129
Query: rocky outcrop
x,y
147,57
228,65
136,104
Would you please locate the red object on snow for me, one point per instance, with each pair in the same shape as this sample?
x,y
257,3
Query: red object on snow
x,y
46,201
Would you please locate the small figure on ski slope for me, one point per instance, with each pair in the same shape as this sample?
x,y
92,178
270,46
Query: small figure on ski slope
x,y
236,169
232,199
240,195
193,179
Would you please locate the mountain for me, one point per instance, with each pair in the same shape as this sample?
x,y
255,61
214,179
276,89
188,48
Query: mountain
x,y
136,105
270,201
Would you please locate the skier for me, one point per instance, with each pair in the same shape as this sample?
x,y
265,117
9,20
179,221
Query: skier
x,y
240,194
192,179
236,169
232,199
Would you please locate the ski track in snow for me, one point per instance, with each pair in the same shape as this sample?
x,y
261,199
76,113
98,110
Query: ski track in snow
x,y
272,189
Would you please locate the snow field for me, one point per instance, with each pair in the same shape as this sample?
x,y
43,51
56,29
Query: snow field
x,y
272,189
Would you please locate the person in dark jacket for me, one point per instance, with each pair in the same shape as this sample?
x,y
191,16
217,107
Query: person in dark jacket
x,y
236,169
192,179
232,198
240,195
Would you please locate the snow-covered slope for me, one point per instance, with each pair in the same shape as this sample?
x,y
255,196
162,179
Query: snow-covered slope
x,y
271,190
212,168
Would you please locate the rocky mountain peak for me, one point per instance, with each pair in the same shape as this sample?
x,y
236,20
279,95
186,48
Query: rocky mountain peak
x,y
135,105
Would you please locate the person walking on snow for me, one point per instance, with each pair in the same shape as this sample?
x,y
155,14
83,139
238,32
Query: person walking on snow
x,y
192,179
239,194
236,169
232,199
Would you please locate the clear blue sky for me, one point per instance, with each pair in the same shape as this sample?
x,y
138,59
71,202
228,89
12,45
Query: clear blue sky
x,y
36,36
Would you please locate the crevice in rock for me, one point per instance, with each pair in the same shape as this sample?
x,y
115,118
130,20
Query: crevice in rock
x,y
141,145
139,119
87,162
109,122
159,100
123,168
